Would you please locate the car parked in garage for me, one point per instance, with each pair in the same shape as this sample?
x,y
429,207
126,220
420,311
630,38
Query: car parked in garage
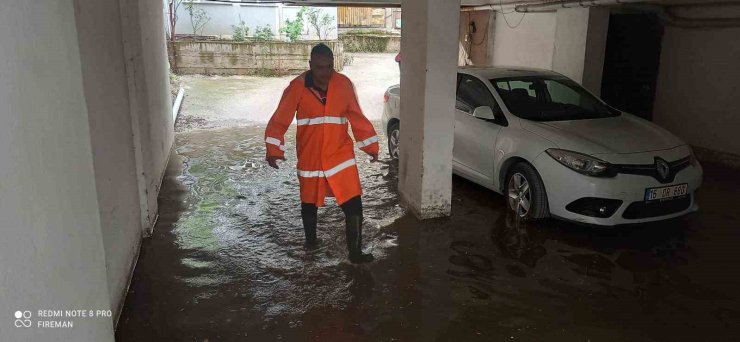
x,y
554,149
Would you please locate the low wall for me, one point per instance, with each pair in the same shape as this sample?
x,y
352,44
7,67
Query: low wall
x,y
245,58
370,43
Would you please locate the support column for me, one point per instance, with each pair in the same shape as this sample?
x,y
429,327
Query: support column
x,y
429,46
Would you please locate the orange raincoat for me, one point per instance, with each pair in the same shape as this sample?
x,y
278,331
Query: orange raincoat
x,y
326,158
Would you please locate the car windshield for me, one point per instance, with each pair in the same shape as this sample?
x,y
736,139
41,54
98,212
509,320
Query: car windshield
x,y
544,98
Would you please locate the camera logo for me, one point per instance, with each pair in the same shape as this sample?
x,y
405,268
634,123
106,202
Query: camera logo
x,y
22,319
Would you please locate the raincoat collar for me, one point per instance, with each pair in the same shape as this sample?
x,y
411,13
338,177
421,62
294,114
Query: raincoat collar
x,y
309,83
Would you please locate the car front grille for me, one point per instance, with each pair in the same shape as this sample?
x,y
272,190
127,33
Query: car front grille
x,y
651,170
640,210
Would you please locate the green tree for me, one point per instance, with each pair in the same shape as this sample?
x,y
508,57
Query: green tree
x,y
294,28
320,21
198,18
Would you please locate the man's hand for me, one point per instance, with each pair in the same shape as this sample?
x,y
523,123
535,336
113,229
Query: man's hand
x,y
374,158
272,161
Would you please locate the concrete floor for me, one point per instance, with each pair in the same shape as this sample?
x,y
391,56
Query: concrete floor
x,y
226,262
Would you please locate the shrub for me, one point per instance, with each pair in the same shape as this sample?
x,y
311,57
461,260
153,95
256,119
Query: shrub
x,y
263,33
241,31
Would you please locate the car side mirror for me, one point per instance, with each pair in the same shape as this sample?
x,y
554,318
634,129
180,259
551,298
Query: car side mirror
x,y
484,112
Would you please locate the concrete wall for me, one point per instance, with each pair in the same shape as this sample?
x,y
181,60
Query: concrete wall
x,y
530,44
580,44
224,15
477,45
697,94
231,58
51,251
106,92
569,41
354,42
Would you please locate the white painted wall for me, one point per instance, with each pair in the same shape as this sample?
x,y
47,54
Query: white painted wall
x,y
51,251
106,92
224,15
569,41
477,45
698,94
530,44
580,45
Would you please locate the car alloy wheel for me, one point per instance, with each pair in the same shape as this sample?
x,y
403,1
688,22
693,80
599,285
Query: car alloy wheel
x,y
520,196
393,141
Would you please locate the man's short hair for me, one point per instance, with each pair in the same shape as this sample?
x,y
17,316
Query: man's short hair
x,y
321,50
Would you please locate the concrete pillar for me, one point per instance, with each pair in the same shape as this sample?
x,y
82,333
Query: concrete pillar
x,y
429,45
580,44
99,32
150,105
51,250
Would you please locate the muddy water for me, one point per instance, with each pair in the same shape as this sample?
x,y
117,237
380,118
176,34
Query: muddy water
x,y
226,263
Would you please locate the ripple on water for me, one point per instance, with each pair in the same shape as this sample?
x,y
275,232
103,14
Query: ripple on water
x,y
244,223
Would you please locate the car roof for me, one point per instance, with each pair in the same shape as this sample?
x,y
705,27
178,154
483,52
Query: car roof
x,y
505,72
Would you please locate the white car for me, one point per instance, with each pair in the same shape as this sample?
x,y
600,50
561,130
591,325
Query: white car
x,y
554,149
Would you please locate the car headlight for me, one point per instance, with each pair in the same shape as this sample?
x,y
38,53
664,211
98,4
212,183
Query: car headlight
x,y
582,163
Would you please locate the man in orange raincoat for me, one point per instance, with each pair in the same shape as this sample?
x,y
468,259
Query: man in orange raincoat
x,y
324,103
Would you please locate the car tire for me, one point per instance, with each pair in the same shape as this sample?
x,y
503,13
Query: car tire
x,y
525,192
394,134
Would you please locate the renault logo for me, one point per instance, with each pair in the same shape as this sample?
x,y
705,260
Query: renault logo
x,y
663,168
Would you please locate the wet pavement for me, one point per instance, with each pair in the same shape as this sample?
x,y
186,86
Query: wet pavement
x,y
227,101
226,263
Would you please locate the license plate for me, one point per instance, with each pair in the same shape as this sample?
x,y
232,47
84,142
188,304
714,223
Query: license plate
x,y
666,192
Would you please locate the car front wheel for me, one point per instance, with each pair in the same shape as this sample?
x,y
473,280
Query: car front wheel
x,y
525,192
394,133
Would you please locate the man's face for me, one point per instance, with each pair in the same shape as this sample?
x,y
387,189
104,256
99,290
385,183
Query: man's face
x,y
321,68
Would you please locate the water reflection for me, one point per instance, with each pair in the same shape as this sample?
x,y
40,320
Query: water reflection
x,y
227,263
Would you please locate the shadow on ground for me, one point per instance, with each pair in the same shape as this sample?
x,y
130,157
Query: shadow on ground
x,y
226,263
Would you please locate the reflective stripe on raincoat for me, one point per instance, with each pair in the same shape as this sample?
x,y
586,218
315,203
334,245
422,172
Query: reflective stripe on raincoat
x,y
326,159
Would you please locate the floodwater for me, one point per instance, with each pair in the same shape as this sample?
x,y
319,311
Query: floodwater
x,y
226,260
226,263
227,101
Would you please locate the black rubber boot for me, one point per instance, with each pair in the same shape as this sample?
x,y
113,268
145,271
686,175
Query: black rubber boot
x,y
309,227
354,241
310,221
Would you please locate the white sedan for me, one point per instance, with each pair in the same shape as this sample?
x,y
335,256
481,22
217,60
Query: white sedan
x,y
554,149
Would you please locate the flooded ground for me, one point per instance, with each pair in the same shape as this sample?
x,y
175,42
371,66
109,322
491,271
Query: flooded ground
x,y
227,101
226,262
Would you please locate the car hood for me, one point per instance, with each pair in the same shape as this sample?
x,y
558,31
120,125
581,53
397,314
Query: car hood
x,y
622,134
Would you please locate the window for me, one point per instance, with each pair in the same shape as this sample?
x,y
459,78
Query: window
x,y
545,98
472,93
